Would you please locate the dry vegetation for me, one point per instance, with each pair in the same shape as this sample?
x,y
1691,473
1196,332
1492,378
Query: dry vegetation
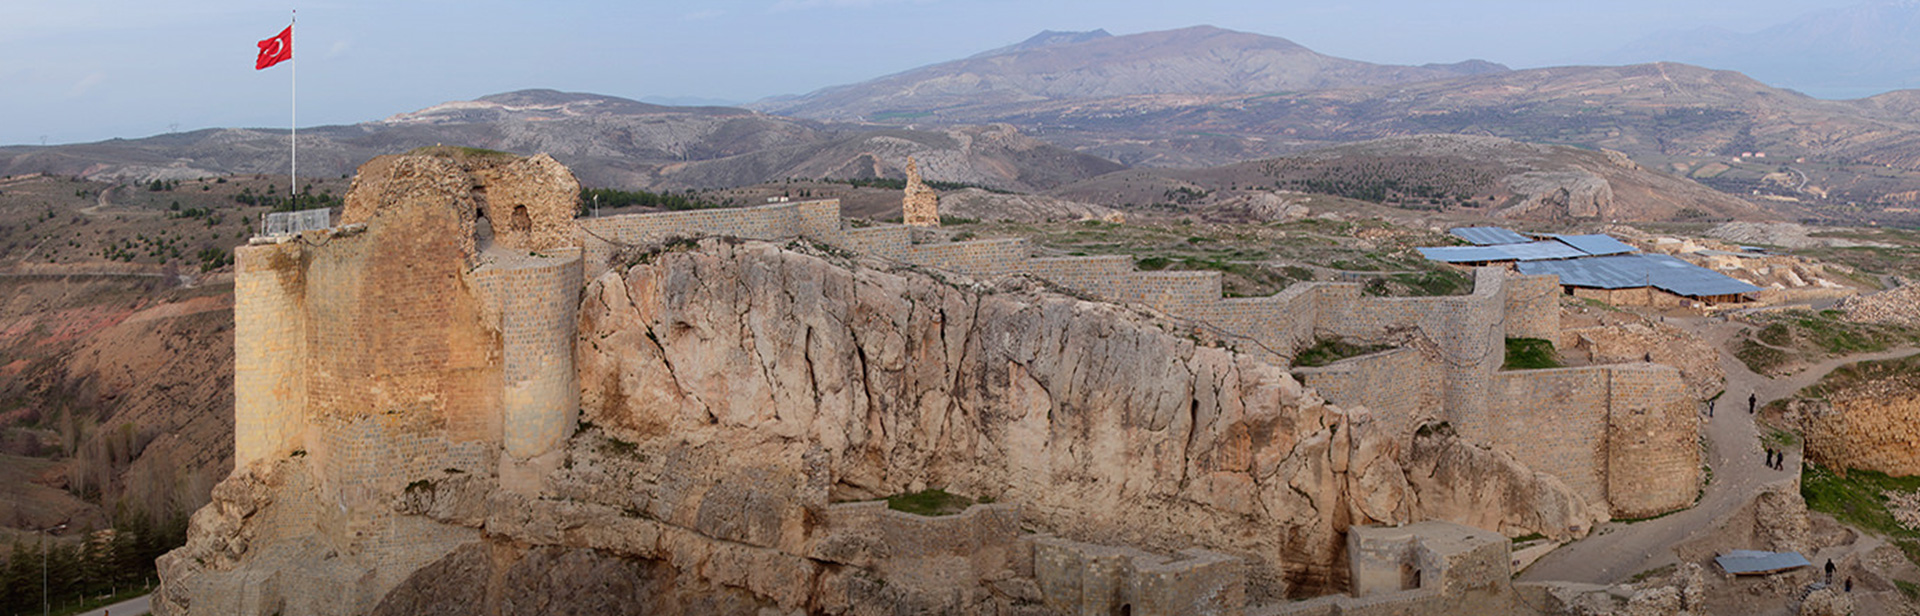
x,y
1254,259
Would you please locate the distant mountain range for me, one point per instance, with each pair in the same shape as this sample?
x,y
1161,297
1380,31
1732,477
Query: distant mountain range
x,y
1847,52
608,141
1057,66
1063,107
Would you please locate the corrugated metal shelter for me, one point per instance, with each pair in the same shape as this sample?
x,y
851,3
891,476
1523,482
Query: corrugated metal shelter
x,y
1754,562
1530,251
1489,236
1640,270
1596,244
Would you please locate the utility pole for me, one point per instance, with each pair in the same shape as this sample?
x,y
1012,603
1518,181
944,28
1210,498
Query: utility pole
x,y
46,604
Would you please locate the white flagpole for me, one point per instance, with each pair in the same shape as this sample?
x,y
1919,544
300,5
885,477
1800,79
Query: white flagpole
x,y
293,171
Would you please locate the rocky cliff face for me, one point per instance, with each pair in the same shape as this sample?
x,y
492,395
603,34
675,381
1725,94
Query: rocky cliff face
x,y
1104,426
735,396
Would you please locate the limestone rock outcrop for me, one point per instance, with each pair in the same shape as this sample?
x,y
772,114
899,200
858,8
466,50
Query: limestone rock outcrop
x,y
1558,195
858,383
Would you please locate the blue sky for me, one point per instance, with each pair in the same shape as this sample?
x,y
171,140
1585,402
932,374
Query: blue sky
x,y
86,70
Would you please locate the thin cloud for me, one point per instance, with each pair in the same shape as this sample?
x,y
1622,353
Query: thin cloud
x,y
339,48
704,15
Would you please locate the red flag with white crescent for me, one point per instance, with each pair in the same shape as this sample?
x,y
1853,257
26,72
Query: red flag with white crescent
x,y
275,50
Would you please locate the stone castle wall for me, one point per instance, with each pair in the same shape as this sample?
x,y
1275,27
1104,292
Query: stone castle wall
x,y
1402,386
404,315
1653,449
1556,421
534,302
1872,427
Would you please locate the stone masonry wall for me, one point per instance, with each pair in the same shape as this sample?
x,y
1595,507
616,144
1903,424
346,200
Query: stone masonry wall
x,y
270,338
1401,386
533,304
1556,421
1876,427
1653,453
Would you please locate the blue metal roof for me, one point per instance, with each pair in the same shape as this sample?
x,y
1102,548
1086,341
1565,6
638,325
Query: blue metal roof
x,y
1531,251
1465,254
1489,236
1538,251
1640,270
1596,244
1750,562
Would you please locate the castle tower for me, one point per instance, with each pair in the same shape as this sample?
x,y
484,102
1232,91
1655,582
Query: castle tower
x,y
412,320
921,205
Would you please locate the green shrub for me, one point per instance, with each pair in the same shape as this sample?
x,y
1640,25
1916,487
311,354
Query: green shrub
x,y
1530,354
932,502
1328,350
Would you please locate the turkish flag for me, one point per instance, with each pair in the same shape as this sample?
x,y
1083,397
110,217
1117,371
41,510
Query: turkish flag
x,y
275,50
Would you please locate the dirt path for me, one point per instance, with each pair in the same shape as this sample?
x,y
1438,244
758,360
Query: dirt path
x,y
1617,550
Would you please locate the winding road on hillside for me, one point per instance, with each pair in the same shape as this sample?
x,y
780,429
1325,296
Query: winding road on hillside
x,y
1617,550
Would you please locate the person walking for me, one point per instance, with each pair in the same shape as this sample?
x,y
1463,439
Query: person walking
x,y
1829,571
1752,401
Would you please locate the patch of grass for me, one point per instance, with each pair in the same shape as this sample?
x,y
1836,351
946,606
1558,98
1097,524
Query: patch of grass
x,y
1858,373
1660,571
621,448
1759,358
1855,499
1779,439
1436,282
1910,589
1530,354
1827,332
461,152
934,502
1328,350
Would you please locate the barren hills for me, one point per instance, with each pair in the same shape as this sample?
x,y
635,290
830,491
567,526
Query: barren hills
x,y
609,141
1196,60
1487,176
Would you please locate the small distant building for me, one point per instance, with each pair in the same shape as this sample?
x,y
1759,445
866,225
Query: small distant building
x,y
920,207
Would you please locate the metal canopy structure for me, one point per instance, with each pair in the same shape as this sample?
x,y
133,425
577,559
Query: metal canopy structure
x,y
1489,236
1530,251
1755,562
1640,270
1596,244
292,223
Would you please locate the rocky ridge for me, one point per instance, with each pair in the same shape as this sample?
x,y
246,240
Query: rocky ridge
x,y
734,395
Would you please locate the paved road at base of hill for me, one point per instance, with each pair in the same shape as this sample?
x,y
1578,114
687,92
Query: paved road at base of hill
x,y
1617,550
131,607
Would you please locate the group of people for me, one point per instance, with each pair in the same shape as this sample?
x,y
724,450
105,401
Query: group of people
x,y
1776,460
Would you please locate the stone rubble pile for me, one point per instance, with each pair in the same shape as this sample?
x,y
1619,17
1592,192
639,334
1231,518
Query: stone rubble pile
x,y
1905,507
1899,306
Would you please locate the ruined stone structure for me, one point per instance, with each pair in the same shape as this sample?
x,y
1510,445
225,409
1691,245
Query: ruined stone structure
x,y
1623,436
1873,424
463,386
920,207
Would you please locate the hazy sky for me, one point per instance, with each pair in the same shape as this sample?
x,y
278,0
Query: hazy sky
x,y
85,70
